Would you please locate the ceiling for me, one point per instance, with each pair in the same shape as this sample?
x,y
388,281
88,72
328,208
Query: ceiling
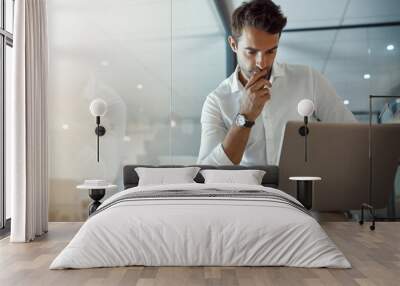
x,y
317,13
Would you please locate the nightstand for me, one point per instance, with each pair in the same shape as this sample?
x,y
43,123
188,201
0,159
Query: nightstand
x,y
96,193
304,191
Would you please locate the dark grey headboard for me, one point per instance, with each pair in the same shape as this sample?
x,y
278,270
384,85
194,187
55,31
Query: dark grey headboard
x,y
270,179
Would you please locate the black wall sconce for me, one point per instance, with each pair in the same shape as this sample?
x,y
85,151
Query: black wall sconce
x,y
98,108
305,108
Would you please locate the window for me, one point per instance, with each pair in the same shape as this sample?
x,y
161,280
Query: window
x,y
6,44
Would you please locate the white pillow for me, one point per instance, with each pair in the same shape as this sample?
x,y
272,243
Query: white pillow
x,y
248,177
163,176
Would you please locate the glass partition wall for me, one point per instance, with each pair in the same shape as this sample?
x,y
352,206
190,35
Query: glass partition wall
x,y
357,61
154,63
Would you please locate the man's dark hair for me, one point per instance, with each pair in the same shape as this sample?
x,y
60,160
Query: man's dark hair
x,y
261,14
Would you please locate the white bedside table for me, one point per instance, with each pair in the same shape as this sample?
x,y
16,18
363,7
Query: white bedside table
x,y
305,189
96,193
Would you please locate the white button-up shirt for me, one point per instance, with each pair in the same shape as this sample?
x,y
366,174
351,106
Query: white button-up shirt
x,y
290,84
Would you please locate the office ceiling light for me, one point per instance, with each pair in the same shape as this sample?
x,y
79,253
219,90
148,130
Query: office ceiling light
x,y
139,86
65,126
346,102
390,47
367,76
127,138
172,123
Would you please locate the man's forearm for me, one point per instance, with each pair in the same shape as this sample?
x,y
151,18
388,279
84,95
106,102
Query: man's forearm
x,y
235,143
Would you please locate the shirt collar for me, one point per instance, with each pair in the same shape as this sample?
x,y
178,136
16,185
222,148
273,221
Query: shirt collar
x,y
236,85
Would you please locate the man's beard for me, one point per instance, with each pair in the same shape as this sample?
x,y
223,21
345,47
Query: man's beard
x,y
248,73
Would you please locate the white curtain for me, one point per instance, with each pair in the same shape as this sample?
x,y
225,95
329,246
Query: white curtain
x,y
27,117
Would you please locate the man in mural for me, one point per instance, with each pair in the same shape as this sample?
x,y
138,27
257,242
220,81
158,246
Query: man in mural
x,y
244,118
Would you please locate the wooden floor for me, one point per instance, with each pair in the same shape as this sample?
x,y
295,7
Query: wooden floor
x,y
375,257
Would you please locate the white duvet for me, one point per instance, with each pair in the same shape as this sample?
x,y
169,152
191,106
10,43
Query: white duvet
x,y
200,231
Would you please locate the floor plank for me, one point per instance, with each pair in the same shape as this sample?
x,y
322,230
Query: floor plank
x,y
375,257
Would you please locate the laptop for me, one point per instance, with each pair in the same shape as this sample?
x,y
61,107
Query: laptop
x,y
339,154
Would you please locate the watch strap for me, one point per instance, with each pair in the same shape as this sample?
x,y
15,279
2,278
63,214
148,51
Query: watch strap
x,y
248,123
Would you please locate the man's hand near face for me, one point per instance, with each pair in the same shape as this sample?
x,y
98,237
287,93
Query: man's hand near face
x,y
256,95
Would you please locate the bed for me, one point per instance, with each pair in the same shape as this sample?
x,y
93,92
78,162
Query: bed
x,y
201,224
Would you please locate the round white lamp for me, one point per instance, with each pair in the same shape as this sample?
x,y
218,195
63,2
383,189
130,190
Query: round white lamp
x,y
98,108
305,108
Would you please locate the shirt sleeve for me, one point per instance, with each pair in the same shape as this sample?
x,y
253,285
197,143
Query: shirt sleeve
x,y
213,132
329,107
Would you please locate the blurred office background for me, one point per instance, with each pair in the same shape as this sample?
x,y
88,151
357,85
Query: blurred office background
x,y
155,61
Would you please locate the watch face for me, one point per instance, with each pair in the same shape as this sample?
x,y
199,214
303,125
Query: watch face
x,y
240,120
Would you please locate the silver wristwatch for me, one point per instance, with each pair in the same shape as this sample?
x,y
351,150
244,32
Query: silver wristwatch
x,y
241,121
